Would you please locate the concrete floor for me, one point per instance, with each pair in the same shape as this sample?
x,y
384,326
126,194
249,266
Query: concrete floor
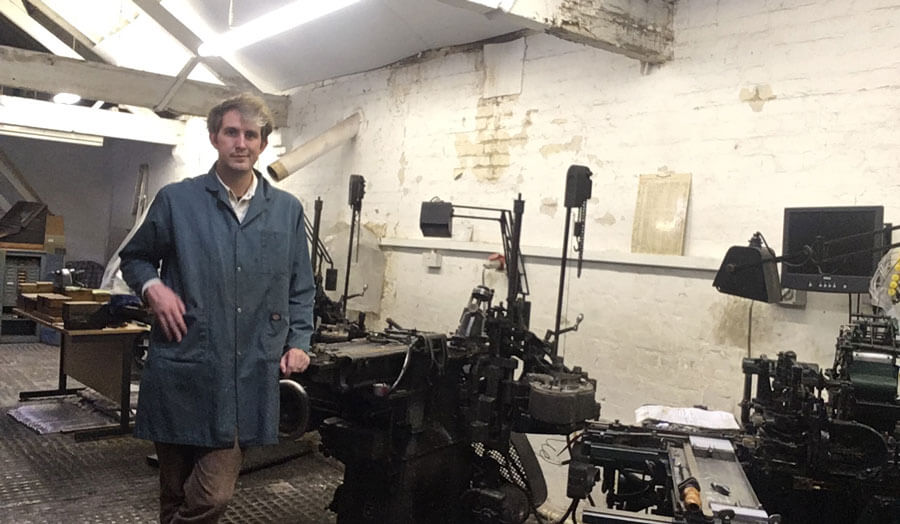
x,y
51,478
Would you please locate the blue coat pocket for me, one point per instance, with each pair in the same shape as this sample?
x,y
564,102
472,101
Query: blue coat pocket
x,y
193,345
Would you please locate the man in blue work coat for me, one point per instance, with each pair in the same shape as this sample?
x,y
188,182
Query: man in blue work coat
x,y
233,303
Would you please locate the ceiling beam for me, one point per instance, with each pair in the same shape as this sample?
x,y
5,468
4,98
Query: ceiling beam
x,y
85,47
95,81
179,80
15,11
219,67
638,29
17,180
82,45
62,30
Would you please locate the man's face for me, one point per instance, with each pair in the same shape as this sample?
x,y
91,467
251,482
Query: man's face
x,y
239,144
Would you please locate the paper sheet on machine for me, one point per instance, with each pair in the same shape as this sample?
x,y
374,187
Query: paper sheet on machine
x,y
686,416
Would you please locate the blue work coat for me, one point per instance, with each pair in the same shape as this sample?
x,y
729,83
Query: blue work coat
x,y
248,291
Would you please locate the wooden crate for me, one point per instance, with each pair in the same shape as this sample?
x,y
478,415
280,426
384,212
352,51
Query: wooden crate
x,y
100,295
81,294
84,315
50,304
27,301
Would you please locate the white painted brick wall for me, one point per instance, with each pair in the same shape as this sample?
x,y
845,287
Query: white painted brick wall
x,y
827,136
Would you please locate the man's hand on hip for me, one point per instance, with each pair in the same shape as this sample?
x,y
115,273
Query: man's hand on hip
x,y
294,361
169,310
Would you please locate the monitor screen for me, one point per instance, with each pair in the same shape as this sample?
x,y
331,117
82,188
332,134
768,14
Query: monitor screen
x,y
820,232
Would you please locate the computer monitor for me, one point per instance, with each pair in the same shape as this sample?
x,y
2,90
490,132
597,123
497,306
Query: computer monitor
x,y
821,232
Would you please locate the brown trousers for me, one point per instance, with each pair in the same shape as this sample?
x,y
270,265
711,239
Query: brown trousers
x,y
195,483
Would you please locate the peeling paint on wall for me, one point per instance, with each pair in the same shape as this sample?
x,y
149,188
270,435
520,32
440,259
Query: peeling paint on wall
x,y
665,171
401,173
401,81
606,220
595,161
549,206
757,96
573,145
486,152
466,147
379,229
645,35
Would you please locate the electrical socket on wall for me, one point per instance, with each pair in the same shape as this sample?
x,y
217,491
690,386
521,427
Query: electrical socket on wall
x,y
793,298
431,259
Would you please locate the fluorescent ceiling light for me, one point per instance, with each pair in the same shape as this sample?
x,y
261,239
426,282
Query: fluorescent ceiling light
x,y
49,134
276,22
66,98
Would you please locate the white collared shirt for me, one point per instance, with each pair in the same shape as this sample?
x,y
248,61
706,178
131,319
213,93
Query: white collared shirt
x,y
240,205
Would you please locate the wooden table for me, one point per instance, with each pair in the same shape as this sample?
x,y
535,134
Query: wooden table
x,y
98,358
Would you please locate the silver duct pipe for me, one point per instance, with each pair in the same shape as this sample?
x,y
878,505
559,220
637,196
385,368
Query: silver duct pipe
x,y
313,149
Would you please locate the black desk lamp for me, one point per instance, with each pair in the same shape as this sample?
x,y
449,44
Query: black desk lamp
x,y
436,219
750,272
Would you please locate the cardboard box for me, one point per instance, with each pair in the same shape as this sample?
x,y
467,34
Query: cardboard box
x,y
54,235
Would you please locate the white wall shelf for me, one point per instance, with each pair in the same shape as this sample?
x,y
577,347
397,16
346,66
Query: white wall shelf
x,y
701,264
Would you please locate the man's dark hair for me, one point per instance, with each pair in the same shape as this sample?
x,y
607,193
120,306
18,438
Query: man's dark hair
x,y
252,109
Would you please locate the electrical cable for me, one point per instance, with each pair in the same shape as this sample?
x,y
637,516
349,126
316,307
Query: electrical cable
x,y
569,511
806,251
546,455
569,444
